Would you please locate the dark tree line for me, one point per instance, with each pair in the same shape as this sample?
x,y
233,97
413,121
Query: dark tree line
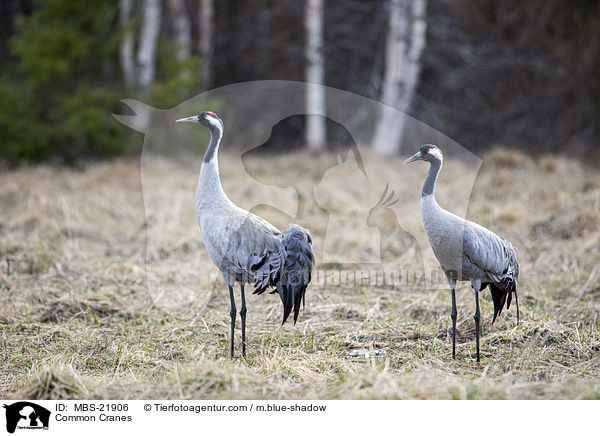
x,y
518,73
515,73
512,73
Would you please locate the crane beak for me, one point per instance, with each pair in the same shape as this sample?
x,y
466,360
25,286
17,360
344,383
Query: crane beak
x,y
193,119
414,157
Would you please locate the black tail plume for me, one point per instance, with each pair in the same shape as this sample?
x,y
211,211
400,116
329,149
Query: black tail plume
x,y
511,286
297,269
502,294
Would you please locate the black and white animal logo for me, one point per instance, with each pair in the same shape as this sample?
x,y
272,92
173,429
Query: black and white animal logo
x,y
26,415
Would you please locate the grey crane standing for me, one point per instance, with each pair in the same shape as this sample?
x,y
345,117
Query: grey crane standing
x,y
466,250
246,248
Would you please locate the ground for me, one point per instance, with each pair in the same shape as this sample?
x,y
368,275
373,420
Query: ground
x,y
83,316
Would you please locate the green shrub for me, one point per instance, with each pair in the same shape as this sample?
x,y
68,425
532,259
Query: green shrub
x,y
57,97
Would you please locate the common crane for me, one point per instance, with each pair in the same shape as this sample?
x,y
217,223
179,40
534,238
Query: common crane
x,y
466,250
245,247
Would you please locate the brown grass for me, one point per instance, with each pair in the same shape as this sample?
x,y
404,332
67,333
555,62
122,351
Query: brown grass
x,y
80,318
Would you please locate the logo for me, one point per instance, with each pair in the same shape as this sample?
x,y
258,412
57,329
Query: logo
x,y
26,415
360,240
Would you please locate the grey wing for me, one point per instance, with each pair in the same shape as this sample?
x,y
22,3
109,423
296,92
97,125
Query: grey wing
x,y
489,252
254,251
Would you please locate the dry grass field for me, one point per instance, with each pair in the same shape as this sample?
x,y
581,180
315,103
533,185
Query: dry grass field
x,y
80,317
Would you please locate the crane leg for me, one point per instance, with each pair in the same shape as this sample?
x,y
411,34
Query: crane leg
x,y
243,315
232,314
453,315
476,317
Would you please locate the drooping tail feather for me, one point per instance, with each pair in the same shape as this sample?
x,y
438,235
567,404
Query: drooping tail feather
x,y
296,273
499,298
517,301
502,294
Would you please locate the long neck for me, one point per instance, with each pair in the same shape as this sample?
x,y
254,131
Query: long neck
x,y
210,191
429,185
213,146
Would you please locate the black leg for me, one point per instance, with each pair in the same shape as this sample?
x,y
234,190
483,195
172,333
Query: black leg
x,y
232,314
243,315
476,317
453,314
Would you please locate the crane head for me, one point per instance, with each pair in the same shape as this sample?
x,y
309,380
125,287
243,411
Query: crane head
x,y
428,152
206,118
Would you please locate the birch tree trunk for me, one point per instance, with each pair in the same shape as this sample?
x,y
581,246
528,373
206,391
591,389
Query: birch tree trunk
x,y
127,43
405,43
183,35
206,11
315,72
147,45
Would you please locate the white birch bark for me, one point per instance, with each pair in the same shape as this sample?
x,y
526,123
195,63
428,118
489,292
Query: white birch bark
x,y
315,72
183,35
418,41
206,10
127,43
405,44
147,46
